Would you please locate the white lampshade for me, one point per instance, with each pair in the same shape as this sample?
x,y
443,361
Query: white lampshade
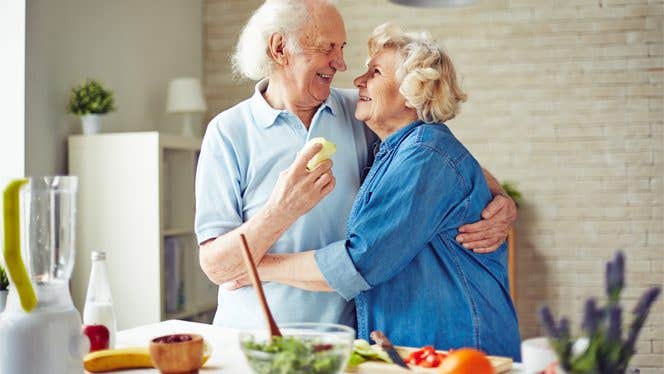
x,y
185,95
434,3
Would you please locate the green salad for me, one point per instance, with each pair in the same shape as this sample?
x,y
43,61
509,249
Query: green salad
x,y
363,351
295,355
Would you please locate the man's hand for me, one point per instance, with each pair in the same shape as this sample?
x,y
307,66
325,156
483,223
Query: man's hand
x,y
241,281
298,190
488,234
295,193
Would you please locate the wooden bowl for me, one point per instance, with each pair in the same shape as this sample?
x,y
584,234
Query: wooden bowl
x,y
178,353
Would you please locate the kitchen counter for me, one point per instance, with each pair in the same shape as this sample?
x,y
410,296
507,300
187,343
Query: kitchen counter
x,y
226,355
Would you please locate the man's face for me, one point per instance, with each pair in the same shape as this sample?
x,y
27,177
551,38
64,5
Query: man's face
x,y
310,72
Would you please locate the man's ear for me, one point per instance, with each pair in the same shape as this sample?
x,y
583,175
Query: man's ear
x,y
277,46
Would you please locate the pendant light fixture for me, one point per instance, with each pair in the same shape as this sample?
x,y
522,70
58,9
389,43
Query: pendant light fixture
x,y
434,3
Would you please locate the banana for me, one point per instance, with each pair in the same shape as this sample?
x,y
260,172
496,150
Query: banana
x,y
124,358
117,359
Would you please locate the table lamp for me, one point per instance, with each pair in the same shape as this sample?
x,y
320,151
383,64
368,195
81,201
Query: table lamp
x,y
185,96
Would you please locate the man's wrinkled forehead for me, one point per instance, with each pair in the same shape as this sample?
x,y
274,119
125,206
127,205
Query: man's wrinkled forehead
x,y
325,28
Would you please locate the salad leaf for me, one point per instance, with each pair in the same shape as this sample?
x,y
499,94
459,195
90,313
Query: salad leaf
x,y
293,355
363,351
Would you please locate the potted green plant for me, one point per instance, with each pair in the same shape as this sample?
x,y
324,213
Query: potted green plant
x,y
90,101
608,347
512,191
4,284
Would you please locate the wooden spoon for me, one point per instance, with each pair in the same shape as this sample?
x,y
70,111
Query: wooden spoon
x,y
258,286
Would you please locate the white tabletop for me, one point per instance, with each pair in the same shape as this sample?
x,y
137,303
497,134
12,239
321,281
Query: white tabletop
x,y
226,355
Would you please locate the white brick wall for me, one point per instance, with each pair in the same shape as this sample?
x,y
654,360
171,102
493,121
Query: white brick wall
x,y
566,98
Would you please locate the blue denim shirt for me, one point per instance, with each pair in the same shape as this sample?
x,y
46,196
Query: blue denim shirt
x,y
400,262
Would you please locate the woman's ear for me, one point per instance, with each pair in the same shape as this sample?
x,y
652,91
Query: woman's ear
x,y
277,46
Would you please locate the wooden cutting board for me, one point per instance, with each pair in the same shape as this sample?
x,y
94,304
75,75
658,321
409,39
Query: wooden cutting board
x,y
500,364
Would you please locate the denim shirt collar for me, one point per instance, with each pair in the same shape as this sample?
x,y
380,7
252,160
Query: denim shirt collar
x,y
266,116
394,139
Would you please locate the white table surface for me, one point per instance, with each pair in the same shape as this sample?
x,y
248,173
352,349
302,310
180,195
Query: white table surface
x,y
226,355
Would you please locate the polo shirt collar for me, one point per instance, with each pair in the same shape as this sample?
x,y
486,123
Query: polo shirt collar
x,y
266,116
331,104
262,112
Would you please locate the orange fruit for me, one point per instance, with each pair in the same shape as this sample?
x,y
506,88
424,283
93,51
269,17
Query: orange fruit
x,y
466,361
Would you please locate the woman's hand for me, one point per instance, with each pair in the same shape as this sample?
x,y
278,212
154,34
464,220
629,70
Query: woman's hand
x,y
488,234
294,269
298,190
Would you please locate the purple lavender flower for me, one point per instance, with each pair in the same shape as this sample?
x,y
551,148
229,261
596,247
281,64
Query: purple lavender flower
x,y
607,352
640,314
646,301
590,317
620,270
615,277
609,278
546,318
614,332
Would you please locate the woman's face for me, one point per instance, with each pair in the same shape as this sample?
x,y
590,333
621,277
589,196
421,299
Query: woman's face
x,y
380,104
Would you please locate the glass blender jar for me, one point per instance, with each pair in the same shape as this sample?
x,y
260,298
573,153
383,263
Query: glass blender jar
x,y
40,330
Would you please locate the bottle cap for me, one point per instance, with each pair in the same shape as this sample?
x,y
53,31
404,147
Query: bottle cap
x,y
98,255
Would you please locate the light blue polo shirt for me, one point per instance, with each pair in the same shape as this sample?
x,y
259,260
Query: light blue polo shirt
x,y
243,151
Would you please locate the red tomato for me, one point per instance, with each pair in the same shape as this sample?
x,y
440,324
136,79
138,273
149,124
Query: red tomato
x,y
425,357
418,356
414,358
431,361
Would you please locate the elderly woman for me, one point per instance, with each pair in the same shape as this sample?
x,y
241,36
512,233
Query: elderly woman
x,y
400,261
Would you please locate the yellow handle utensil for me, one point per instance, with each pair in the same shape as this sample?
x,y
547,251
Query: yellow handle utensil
x,y
17,272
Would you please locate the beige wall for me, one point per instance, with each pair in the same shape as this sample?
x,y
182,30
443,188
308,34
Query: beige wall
x,y
133,46
565,99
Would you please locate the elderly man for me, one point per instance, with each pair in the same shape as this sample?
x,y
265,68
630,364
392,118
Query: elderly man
x,y
252,180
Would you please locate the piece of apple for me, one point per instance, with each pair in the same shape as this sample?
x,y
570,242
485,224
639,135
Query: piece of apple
x,y
328,150
99,336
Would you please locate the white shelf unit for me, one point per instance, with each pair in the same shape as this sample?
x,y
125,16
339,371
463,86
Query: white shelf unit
x,y
136,200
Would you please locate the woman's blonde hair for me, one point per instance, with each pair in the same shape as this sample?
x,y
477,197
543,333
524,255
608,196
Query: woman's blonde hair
x,y
427,77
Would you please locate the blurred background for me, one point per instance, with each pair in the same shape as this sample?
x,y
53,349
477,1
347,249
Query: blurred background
x,y
566,100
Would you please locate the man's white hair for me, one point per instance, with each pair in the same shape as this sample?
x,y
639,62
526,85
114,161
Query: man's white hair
x,y
251,58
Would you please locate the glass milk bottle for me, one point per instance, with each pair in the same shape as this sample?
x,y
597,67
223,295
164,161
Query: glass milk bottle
x,y
98,308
